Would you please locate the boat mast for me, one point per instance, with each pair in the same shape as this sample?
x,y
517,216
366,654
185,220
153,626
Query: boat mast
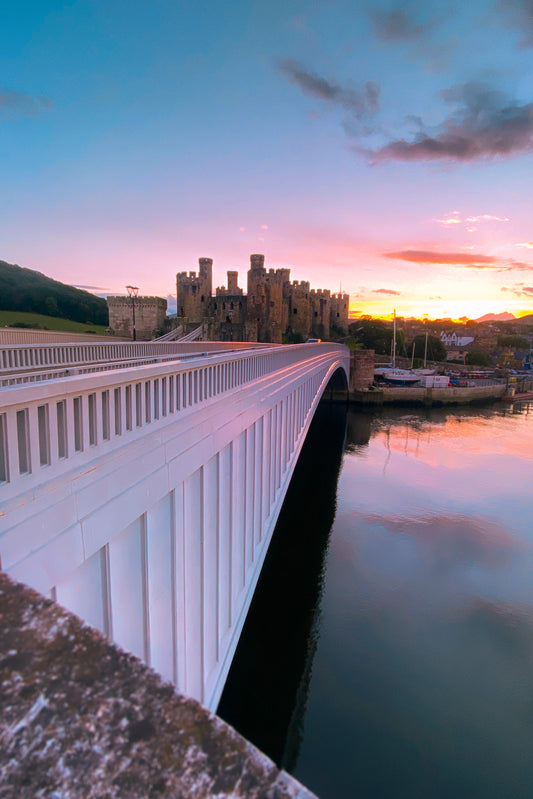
x,y
426,351
394,341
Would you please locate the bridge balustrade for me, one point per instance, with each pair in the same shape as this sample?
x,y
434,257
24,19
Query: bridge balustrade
x,y
43,428
144,499
14,356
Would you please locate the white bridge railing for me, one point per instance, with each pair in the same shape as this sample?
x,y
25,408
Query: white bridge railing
x,y
15,356
49,428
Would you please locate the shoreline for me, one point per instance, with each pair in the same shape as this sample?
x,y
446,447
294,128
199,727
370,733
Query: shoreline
x,y
428,397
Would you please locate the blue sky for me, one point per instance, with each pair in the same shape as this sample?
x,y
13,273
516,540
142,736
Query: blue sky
x,y
384,147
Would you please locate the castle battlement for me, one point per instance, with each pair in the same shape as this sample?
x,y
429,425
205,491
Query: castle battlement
x,y
188,278
140,302
341,297
301,284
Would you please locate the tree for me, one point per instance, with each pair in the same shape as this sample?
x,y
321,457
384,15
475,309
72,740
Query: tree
x,y
514,342
436,351
477,358
50,306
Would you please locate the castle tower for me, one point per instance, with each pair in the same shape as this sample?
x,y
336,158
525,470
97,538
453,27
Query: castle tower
x,y
193,292
233,287
340,306
256,302
299,309
150,314
229,311
264,314
320,312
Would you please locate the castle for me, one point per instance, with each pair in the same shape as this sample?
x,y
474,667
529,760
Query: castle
x,y
150,315
272,308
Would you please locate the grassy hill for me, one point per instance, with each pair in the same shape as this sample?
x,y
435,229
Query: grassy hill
x,y
28,291
42,322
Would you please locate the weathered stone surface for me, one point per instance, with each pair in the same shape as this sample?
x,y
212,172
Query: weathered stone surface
x,y
81,718
150,315
361,369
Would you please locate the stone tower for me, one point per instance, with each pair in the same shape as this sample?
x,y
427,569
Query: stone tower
x,y
265,308
320,312
229,311
340,305
150,315
194,292
256,299
298,309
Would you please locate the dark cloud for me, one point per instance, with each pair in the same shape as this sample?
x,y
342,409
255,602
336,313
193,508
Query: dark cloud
x,y
362,102
520,15
469,260
484,124
385,291
395,25
18,104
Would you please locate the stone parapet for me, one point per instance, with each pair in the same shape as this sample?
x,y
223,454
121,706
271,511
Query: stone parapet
x,y
82,719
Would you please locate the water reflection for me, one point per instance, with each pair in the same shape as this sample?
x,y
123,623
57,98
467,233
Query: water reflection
x,y
416,678
422,683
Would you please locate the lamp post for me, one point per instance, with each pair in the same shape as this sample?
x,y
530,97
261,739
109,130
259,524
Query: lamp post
x,y
132,292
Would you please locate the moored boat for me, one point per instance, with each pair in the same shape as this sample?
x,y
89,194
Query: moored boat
x,y
401,377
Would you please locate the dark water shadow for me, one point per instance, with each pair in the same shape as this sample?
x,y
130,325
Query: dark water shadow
x,y
266,691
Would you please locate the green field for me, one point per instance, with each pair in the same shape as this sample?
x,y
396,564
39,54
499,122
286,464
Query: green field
x,y
39,321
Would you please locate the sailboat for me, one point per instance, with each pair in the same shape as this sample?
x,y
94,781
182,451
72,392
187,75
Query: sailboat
x,y
395,376
424,371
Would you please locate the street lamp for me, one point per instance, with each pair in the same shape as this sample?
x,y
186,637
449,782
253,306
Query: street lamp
x,y
132,292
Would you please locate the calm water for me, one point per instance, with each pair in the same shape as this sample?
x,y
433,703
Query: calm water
x,y
389,651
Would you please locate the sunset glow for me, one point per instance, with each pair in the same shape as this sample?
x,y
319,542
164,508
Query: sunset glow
x,y
389,160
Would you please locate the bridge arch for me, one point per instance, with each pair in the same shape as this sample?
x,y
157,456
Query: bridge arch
x,y
143,497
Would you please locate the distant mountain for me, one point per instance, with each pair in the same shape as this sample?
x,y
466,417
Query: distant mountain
x,y
497,317
525,320
27,290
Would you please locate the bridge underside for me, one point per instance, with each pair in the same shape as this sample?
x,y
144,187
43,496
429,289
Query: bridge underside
x,y
158,541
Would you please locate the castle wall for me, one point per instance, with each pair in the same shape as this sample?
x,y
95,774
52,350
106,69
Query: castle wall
x,y
150,314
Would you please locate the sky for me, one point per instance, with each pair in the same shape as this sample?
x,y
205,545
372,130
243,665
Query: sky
x,y
385,148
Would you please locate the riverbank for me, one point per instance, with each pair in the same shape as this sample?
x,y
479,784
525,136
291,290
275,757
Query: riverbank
x,y
427,397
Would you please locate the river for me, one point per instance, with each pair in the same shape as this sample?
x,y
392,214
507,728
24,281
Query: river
x,y
389,648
